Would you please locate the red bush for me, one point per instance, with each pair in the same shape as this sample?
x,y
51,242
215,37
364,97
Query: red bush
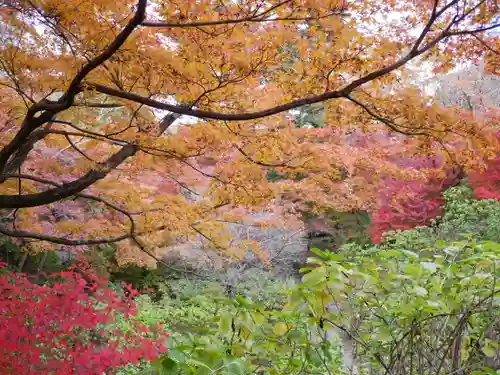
x,y
486,184
387,219
408,204
63,327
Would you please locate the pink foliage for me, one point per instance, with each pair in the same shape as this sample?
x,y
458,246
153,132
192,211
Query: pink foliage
x,y
388,218
407,204
63,328
486,184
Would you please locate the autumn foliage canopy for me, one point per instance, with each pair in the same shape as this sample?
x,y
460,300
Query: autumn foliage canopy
x,y
90,94
146,122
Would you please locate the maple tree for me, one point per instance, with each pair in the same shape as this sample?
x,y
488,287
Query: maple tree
x,y
90,91
408,204
405,204
486,183
64,325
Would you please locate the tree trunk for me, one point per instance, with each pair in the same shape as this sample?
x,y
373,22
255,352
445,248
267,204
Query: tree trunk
x,y
42,262
22,262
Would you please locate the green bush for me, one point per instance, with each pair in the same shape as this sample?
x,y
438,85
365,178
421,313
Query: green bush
x,y
425,301
435,312
208,330
428,313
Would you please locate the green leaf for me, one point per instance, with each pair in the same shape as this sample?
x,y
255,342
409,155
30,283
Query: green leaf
x,y
168,366
305,269
489,351
384,334
490,371
242,301
328,255
412,254
489,245
235,368
315,276
318,252
258,317
202,371
335,257
451,250
440,244
295,335
412,270
225,322
295,297
314,260
490,348
388,253
429,266
280,329
420,291
176,355
325,346
313,357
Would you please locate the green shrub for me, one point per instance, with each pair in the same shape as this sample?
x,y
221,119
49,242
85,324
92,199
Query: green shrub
x,y
425,301
435,312
427,313
209,330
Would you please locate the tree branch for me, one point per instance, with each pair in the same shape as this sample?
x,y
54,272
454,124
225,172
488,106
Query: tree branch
x,y
346,90
75,86
256,17
50,109
60,240
80,195
30,123
474,31
22,153
68,189
263,164
486,45
99,105
252,19
390,124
